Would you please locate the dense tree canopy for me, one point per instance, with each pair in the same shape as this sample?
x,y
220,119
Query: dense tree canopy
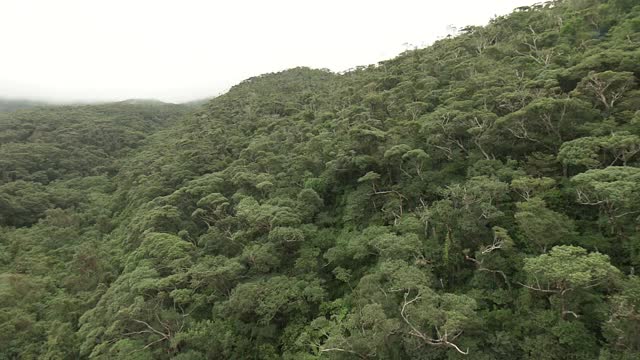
x,y
478,198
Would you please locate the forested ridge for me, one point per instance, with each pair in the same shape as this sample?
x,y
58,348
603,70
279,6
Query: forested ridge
x,y
16,104
476,199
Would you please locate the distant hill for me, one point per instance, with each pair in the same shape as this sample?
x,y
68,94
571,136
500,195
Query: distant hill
x,y
198,102
8,105
143,102
18,104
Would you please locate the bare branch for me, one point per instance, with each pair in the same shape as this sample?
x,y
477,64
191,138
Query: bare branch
x,y
441,340
565,312
149,327
539,288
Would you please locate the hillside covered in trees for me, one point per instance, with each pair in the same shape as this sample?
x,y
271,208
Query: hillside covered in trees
x,y
476,199
13,105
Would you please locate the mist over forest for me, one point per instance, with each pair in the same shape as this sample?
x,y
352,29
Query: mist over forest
x,y
478,198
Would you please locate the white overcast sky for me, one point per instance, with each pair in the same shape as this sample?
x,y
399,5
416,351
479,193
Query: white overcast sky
x,y
180,50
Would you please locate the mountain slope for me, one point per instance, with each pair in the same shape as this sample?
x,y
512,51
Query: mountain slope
x,y
7,105
478,197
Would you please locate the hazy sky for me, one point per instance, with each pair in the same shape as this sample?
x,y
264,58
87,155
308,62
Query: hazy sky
x,y
175,51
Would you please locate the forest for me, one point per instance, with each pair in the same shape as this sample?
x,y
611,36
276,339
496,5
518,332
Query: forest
x,y
475,199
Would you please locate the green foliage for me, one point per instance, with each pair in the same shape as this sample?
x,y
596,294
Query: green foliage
x,y
477,198
542,227
569,268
